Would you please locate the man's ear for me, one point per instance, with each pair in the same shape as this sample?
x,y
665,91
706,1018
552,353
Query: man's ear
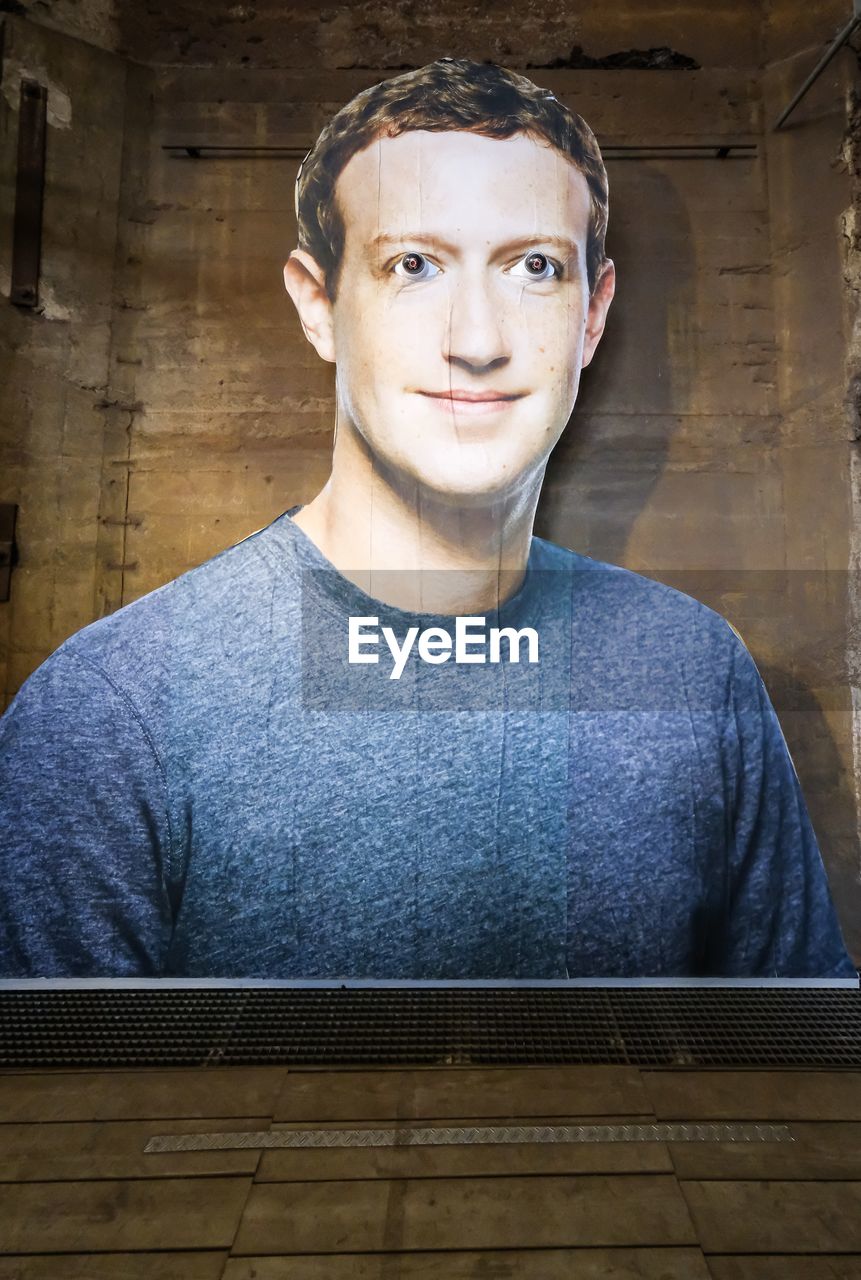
x,y
599,305
305,281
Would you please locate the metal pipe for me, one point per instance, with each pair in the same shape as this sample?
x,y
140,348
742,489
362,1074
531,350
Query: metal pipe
x,y
616,151
837,43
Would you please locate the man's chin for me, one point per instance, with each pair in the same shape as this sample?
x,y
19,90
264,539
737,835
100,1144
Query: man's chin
x,y
458,484
469,494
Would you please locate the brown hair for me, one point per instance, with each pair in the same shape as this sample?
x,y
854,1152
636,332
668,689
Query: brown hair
x,y
451,94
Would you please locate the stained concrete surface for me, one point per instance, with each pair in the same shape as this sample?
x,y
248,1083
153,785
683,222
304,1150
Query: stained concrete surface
x,y
85,1202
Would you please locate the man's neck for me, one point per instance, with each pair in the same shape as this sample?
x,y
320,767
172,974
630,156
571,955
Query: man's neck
x,y
417,551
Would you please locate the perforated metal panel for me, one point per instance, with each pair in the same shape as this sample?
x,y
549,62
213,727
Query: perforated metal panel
x,y
480,1135
660,1027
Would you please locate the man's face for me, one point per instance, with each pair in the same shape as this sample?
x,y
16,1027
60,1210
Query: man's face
x,y
462,317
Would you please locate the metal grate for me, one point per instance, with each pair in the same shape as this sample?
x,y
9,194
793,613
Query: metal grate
x,y
431,1026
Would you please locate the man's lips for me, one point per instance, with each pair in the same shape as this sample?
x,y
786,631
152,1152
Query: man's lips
x,y
472,403
472,397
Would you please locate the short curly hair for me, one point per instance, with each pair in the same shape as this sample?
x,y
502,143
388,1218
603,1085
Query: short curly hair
x,y
450,94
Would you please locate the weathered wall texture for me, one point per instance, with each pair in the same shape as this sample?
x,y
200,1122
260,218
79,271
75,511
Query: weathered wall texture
x,y
852,278
712,441
392,33
809,664
55,362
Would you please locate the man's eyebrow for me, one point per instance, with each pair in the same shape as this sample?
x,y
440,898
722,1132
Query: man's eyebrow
x,y
388,239
528,242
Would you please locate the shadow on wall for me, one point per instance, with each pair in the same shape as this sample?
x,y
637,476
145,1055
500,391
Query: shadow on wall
x,y
602,475
828,789
611,455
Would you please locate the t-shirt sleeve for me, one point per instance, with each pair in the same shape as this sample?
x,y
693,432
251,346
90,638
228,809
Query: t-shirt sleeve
x,y
780,916
84,830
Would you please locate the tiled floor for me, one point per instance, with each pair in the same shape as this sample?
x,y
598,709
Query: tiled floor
x,y
80,1200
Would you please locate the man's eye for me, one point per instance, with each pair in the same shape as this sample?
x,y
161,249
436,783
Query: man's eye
x,y
535,266
415,266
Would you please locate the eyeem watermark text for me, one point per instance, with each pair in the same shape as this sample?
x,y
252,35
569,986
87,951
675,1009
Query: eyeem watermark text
x,y
473,642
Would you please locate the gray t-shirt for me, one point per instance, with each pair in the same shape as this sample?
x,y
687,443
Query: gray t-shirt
x,y
203,785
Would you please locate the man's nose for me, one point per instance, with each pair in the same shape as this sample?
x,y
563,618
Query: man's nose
x,y
476,334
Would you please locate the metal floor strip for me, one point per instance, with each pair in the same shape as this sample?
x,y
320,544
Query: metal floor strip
x,y
482,1135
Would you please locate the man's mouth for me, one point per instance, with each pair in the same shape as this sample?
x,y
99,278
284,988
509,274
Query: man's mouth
x,y
455,400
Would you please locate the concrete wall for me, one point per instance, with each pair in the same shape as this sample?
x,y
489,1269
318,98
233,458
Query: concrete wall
x,y
712,442
813,666
391,33
55,361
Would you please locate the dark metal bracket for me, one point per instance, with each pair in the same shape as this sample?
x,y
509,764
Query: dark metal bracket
x,y
29,192
8,557
836,44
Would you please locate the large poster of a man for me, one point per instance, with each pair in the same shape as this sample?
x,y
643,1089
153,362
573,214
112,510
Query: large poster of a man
x,y
394,734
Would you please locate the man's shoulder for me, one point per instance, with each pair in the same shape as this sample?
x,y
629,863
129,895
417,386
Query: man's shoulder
x,y
637,594
641,641
183,618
